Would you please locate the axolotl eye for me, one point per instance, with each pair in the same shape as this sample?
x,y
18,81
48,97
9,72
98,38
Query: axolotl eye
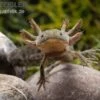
x,y
42,36
60,34
64,36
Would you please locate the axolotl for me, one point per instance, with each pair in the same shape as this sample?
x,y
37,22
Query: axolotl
x,y
54,43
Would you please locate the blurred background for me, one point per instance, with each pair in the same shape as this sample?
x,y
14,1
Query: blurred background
x,y
50,14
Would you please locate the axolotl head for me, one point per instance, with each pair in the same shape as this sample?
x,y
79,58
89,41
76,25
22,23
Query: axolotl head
x,y
52,34
53,40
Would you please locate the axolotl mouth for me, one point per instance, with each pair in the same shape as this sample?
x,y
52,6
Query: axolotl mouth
x,y
53,46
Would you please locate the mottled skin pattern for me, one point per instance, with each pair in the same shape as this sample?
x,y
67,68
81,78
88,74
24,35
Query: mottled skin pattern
x,y
56,44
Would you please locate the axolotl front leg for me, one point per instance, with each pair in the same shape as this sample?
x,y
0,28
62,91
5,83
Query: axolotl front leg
x,y
42,78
